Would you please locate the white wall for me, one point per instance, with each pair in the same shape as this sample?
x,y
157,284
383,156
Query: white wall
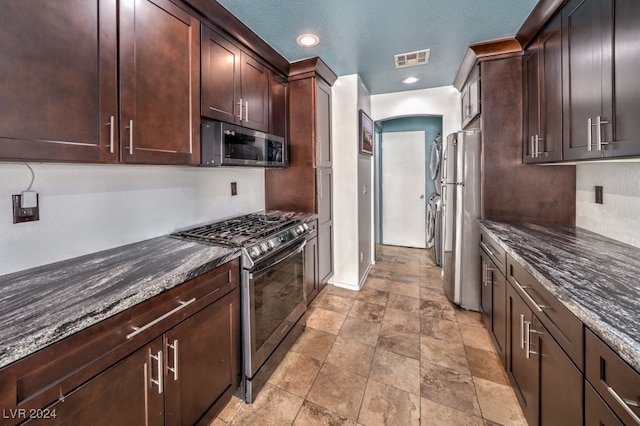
x,y
88,208
619,216
444,101
344,140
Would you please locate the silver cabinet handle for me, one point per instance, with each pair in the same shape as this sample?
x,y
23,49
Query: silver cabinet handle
x,y
626,404
130,137
589,126
246,111
138,330
528,332
320,182
533,147
240,104
487,249
158,358
174,369
485,273
538,146
599,123
539,308
522,331
111,125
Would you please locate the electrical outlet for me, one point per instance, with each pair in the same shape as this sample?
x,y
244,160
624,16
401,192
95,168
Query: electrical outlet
x,y
24,214
599,199
234,188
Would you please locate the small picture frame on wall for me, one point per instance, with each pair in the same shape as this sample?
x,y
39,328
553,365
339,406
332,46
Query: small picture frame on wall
x,y
366,134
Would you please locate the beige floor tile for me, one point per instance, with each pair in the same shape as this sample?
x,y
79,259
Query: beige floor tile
x,y
352,356
380,284
400,342
449,387
433,293
486,365
478,337
231,409
408,322
341,291
314,343
335,303
434,414
360,330
338,390
296,373
404,303
367,311
411,289
371,295
386,405
384,264
396,370
498,403
377,272
406,273
438,309
440,329
443,353
324,320
469,317
218,422
314,415
272,407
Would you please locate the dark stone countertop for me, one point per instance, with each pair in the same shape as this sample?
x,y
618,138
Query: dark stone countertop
x,y
43,305
595,277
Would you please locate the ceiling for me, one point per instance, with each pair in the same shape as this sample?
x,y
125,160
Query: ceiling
x,y
361,36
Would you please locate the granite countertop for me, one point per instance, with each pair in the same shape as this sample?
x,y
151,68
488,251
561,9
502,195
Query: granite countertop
x,y
595,277
43,305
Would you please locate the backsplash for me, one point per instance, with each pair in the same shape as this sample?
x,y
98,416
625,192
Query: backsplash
x,y
619,215
88,208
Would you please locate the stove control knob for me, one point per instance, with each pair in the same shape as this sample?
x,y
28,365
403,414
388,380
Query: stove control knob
x,y
254,252
305,226
263,248
270,245
300,229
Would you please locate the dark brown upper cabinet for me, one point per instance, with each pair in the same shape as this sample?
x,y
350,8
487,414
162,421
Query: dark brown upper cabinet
x,y
235,86
471,97
59,82
278,106
601,89
159,74
542,70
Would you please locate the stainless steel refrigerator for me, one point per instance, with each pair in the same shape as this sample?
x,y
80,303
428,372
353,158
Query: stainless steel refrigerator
x,y
460,191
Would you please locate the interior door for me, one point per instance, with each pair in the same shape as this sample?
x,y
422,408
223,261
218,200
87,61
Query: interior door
x,y
403,189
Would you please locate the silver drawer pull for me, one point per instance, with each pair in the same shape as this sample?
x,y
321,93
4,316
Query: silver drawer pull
x,y
111,125
539,308
138,330
487,249
625,404
158,358
522,331
174,369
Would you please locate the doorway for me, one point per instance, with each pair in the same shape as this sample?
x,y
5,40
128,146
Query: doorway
x,y
403,184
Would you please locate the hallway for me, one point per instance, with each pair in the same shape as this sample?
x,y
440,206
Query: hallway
x,y
395,353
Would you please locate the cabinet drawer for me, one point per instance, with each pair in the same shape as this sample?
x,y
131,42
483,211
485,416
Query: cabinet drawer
x,y
495,252
596,411
561,323
615,381
41,378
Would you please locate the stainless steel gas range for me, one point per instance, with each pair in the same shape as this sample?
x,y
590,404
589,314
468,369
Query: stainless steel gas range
x,y
272,291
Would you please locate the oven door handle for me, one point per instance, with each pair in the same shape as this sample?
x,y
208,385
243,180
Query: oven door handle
x,y
271,265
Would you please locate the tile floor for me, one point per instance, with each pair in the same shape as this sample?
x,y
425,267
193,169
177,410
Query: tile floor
x,y
395,353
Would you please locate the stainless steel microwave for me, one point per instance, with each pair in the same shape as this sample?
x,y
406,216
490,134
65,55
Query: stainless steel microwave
x,y
225,144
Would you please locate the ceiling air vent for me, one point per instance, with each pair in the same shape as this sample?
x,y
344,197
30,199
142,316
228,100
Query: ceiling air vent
x,y
412,59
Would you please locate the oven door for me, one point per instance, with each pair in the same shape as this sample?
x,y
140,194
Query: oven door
x,y
272,303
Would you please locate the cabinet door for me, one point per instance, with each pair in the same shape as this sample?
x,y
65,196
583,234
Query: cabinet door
x,y
587,77
220,78
531,103
522,369
560,381
278,101
474,94
325,223
596,411
255,80
129,393
626,93
311,280
159,64
58,80
324,156
499,313
203,362
486,297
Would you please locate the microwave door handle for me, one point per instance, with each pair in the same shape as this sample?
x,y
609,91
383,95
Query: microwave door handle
x,y
257,272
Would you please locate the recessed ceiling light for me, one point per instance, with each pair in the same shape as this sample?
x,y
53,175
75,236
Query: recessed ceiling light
x,y
410,80
308,40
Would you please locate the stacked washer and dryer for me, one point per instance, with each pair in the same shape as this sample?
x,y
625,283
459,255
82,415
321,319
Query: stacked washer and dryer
x,y
434,205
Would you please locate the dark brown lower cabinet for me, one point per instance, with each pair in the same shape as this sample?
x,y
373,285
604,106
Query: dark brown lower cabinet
x,y
548,385
493,305
311,279
596,411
